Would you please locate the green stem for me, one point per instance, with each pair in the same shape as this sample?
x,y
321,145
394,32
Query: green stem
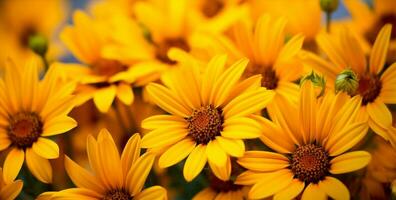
x,y
46,64
328,21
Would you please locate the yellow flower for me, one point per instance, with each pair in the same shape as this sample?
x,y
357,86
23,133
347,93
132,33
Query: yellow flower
x,y
304,16
367,22
9,191
110,73
310,140
269,55
115,176
209,115
21,19
376,86
32,109
381,171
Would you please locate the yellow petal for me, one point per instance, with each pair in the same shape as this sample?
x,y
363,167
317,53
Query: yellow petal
x,y
195,162
291,48
291,191
248,103
215,153
308,109
46,148
380,49
58,125
380,114
205,194
5,142
94,160
221,172
103,98
138,173
176,153
332,49
81,177
13,164
11,191
313,192
232,147
241,128
152,193
166,99
250,177
349,162
162,121
213,70
125,93
271,184
76,193
334,188
130,153
38,166
263,161
163,137
340,142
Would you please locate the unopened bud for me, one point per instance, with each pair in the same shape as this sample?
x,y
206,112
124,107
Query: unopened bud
x,y
347,81
329,6
318,81
39,44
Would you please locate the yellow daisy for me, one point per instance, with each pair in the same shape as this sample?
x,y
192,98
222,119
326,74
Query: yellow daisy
x,y
110,74
30,110
310,140
367,22
115,177
376,87
9,191
22,19
276,61
209,115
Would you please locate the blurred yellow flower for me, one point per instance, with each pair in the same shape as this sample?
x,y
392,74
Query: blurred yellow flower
x,y
32,109
9,191
210,115
22,19
311,139
376,86
115,176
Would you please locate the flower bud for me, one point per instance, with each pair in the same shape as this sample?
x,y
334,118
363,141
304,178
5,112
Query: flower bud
x,y
347,81
318,82
39,44
329,6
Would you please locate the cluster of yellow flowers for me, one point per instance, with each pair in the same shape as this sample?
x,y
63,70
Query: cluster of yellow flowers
x,y
251,99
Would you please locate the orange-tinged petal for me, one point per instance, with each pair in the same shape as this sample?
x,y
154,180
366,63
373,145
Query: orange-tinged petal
x,y
152,193
81,177
76,193
58,125
205,194
250,177
232,147
380,49
340,142
13,164
334,188
308,109
162,121
221,172
263,161
271,184
176,153
215,153
125,93
163,137
39,166
46,148
291,191
380,114
130,153
11,191
349,162
195,162
138,173
103,98
313,192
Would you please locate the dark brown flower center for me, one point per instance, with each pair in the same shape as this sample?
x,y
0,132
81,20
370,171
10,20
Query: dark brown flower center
x,y
269,78
211,8
223,186
205,124
107,67
164,46
118,194
387,18
310,163
24,129
369,88
25,34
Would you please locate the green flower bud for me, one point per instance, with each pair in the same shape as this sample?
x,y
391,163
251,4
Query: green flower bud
x,y
347,81
329,6
39,44
318,81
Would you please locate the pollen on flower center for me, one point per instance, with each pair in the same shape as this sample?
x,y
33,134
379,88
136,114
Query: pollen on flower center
x,y
24,129
212,7
310,163
205,124
223,186
369,88
108,68
118,194
163,47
